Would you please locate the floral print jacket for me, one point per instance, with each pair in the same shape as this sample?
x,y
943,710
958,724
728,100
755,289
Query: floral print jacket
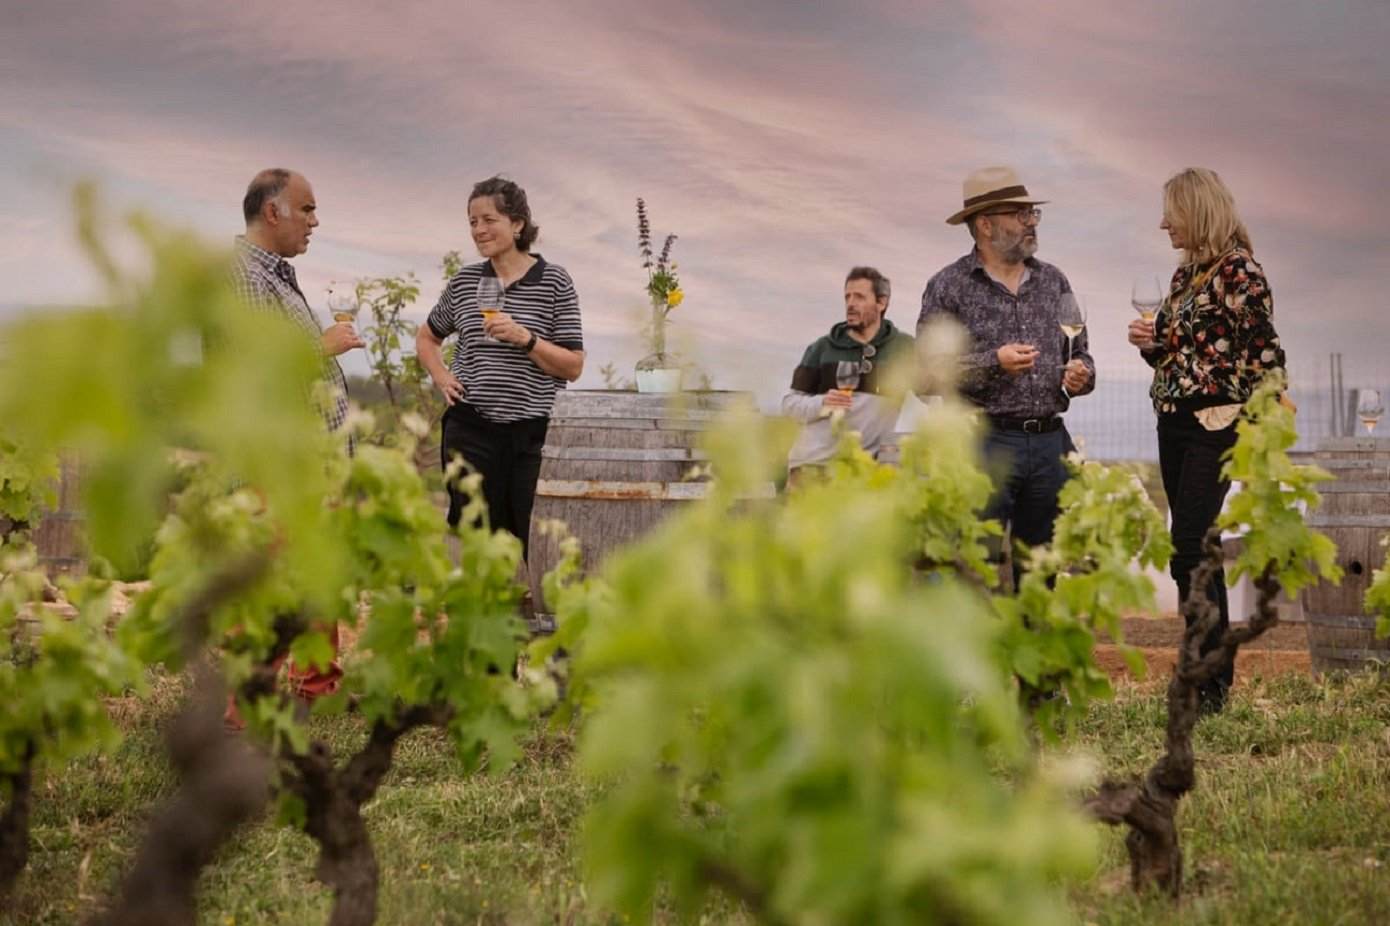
x,y
1216,337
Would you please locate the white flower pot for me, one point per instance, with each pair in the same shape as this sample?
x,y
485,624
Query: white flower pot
x,y
661,380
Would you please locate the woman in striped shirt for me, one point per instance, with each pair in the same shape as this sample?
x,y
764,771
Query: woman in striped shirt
x,y
506,368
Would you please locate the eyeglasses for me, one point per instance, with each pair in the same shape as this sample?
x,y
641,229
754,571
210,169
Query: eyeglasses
x,y
1023,215
866,366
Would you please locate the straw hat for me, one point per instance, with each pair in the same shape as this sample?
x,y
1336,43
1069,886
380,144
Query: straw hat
x,y
990,186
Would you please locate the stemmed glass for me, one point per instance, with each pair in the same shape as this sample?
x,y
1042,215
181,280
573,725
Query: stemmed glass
x,y
490,300
344,305
1369,408
847,375
1071,316
1146,296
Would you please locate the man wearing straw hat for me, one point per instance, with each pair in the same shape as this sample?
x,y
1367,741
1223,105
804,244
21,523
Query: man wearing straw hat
x,y
1020,370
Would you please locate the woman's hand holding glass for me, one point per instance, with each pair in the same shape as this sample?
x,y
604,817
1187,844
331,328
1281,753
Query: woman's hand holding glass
x,y
1141,333
499,326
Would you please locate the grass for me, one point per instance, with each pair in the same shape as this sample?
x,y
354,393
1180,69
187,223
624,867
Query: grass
x,y
1290,823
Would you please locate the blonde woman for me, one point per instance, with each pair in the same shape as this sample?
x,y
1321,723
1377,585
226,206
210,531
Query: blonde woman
x,y
1210,344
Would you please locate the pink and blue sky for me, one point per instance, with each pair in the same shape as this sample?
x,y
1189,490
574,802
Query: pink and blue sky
x,y
783,141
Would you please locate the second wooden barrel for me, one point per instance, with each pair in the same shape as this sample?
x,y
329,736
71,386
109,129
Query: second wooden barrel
x,y
1355,514
616,464
1361,466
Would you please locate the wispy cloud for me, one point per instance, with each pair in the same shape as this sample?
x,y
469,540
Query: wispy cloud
x,y
784,143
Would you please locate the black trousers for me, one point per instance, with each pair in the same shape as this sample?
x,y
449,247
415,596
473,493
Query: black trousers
x,y
508,456
1189,457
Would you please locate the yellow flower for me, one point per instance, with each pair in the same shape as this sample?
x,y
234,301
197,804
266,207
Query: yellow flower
x,y
674,297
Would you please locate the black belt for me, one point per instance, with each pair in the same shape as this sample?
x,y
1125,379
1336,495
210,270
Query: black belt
x,y
1031,425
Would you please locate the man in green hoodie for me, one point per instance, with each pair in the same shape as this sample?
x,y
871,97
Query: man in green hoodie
x,y
862,369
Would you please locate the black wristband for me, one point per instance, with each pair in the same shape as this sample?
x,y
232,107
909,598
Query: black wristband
x,y
531,344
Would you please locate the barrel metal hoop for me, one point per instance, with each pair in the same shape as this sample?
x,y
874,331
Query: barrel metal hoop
x,y
1349,520
626,454
1348,621
1361,656
610,490
1343,487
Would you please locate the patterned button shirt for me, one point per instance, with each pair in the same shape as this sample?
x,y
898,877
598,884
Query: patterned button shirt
x,y
994,317
1216,337
266,282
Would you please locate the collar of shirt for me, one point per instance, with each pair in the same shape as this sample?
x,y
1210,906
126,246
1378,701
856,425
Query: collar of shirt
x,y
272,263
530,276
977,266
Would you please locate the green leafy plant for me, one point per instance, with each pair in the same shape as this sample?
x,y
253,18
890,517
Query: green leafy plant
x,y
396,370
1378,597
27,478
434,651
1082,583
1079,585
785,713
54,673
1281,552
183,365
272,540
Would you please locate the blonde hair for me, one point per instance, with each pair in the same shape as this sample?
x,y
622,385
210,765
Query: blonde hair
x,y
1199,204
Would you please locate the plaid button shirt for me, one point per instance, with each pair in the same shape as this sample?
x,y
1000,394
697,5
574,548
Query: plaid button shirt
x,y
266,282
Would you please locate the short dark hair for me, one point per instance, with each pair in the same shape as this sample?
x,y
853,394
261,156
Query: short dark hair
x,y
883,287
266,185
510,200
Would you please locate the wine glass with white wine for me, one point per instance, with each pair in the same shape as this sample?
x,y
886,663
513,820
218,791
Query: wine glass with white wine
x,y
847,375
1369,408
1146,295
344,304
490,298
1071,316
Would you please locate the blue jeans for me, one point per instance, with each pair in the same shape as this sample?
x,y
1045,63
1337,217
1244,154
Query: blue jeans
x,y
1028,473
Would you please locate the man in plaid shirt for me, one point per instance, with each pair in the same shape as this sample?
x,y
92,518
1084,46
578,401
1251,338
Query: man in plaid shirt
x,y
280,216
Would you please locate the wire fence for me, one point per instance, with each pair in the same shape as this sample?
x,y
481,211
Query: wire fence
x,y
1116,422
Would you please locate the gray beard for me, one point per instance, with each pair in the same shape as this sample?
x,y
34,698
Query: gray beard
x,y
1017,251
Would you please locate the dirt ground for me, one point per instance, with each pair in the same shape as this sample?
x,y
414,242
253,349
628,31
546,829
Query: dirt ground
x,y
1281,649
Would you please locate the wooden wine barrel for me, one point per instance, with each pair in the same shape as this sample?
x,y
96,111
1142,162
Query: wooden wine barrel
x,y
1361,466
58,535
616,464
1355,514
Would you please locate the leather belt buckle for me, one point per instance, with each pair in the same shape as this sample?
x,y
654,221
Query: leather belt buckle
x,y
1033,426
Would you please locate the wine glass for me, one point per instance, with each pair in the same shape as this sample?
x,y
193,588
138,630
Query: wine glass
x,y
1369,408
344,305
1071,316
490,300
847,375
1146,296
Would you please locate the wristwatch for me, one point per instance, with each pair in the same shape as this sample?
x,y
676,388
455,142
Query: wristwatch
x,y
530,345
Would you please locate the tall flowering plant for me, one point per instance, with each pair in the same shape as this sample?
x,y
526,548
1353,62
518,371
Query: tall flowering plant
x,y
663,286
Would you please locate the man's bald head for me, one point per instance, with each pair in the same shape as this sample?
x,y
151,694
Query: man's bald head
x,y
264,188
279,209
